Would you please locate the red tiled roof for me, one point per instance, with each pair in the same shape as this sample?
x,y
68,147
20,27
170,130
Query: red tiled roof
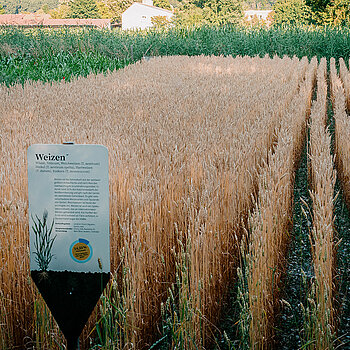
x,y
46,20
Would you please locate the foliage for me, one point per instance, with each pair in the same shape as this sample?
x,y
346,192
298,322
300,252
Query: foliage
x,y
218,12
62,11
292,12
315,12
62,66
2,11
318,9
103,10
259,4
83,9
160,22
225,11
113,8
164,4
332,12
190,15
18,6
338,13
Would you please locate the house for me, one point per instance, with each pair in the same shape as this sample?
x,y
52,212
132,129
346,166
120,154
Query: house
x,y
261,15
139,15
35,20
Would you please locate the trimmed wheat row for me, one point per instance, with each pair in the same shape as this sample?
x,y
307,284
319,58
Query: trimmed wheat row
x,y
342,129
345,77
320,328
271,219
186,138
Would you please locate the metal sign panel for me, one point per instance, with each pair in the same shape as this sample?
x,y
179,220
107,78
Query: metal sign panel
x,y
68,208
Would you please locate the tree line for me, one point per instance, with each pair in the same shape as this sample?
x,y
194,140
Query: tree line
x,y
314,12
196,12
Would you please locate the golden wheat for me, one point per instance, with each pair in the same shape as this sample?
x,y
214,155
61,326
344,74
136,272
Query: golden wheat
x,y
345,77
322,182
271,218
342,127
187,138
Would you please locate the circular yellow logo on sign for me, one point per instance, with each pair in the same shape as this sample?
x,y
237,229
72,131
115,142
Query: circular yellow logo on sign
x,y
81,250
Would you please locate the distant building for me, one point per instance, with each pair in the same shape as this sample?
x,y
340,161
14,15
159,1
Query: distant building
x,y
35,20
139,15
261,15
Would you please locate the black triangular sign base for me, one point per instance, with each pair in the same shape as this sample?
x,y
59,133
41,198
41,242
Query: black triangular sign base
x,y
71,298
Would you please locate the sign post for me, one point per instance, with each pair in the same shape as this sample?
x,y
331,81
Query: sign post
x,y
69,230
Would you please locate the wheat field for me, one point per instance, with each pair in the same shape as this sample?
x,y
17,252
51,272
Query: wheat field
x,y
202,150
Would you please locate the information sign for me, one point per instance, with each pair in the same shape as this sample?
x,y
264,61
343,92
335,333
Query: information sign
x,y
69,230
68,189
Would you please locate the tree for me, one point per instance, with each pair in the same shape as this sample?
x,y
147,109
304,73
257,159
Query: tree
x,y
218,12
337,13
45,8
12,6
103,10
293,12
18,6
61,11
188,14
224,11
318,10
160,22
2,11
164,4
83,9
317,5
258,4
113,8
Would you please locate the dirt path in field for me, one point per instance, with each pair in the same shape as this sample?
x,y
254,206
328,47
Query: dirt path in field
x,y
299,271
299,263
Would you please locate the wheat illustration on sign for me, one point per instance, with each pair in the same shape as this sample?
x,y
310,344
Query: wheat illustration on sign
x,y
43,241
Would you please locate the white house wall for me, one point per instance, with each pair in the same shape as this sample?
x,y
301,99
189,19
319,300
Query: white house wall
x,y
139,16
